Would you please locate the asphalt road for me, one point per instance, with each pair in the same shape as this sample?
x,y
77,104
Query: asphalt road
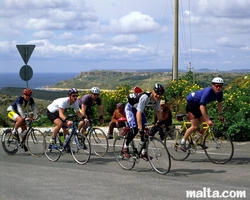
x,y
24,177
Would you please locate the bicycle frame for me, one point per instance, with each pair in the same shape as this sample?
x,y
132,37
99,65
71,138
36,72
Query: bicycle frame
x,y
217,145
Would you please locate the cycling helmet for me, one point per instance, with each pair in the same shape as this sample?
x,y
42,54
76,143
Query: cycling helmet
x,y
27,91
218,80
72,90
95,90
159,89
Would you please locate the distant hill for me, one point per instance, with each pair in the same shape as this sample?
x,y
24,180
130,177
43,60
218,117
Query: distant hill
x,y
110,79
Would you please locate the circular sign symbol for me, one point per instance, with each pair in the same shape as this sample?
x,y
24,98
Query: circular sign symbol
x,y
26,73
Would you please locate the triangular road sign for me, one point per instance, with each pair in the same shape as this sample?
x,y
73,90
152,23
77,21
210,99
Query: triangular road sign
x,y
25,51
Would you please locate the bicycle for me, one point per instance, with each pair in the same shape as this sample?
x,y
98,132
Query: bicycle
x,y
77,143
155,149
217,145
33,139
98,139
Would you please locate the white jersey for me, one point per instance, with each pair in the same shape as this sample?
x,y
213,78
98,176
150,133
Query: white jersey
x,y
63,103
145,101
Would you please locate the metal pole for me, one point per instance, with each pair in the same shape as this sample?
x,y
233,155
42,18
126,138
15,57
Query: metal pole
x,y
175,61
26,68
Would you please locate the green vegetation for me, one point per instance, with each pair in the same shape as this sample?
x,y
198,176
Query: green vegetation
x,y
109,80
236,104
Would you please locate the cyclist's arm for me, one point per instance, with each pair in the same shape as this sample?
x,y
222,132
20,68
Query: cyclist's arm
x,y
100,108
84,108
139,119
33,106
20,110
219,104
61,114
204,112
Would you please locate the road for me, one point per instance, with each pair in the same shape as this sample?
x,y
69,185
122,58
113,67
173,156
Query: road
x,y
25,177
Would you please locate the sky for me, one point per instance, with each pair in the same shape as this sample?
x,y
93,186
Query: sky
x,y
83,35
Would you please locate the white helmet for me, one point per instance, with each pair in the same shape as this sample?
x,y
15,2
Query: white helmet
x,y
218,80
95,90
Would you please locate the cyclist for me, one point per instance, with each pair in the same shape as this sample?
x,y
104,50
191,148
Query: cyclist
x,y
16,113
86,102
136,118
196,108
164,123
56,113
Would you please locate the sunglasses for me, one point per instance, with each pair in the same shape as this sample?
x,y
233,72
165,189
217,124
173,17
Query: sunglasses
x,y
95,94
74,95
27,95
218,86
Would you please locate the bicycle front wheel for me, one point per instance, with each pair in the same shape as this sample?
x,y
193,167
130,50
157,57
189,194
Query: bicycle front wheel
x,y
218,147
125,163
160,161
80,149
35,142
173,145
9,144
99,142
52,151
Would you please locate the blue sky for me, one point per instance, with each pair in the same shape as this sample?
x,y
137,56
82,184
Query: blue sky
x,y
78,35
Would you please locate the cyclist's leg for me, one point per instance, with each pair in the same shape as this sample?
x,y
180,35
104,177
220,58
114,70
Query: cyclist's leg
x,y
54,118
194,114
131,119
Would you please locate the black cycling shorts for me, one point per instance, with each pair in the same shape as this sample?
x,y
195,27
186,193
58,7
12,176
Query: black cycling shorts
x,y
52,116
195,110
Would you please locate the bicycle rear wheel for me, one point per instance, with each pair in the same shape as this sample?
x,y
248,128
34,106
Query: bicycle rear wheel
x,y
35,142
52,151
9,144
80,149
173,145
160,161
98,141
219,147
125,163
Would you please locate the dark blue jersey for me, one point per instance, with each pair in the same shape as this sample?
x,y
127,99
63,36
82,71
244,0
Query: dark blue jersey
x,y
204,96
22,102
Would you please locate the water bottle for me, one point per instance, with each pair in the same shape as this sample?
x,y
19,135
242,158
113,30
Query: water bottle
x,y
197,138
66,139
139,146
61,137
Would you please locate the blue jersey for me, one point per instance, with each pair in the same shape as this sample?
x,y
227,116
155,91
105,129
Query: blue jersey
x,y
204,96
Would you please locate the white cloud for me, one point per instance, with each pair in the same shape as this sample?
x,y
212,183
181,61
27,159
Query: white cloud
x,y
134,22
43,34
105,32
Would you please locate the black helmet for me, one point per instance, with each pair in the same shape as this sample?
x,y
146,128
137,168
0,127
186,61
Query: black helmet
x,y
159,89
72,90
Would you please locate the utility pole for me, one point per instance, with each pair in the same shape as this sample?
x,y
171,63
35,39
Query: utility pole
x,y
176,36
190,67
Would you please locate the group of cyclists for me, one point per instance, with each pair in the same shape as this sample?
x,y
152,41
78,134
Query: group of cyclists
x,y
134,110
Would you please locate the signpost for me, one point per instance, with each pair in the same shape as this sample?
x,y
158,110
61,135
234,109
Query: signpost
x,y
25,51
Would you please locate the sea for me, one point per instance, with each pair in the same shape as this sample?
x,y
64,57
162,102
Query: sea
x,y
37,81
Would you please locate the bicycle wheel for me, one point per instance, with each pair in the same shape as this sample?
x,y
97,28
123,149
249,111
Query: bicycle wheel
x,y
9,144
35,142
219,147
125,163
160,161
173,146
98,141
80,149
52,151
